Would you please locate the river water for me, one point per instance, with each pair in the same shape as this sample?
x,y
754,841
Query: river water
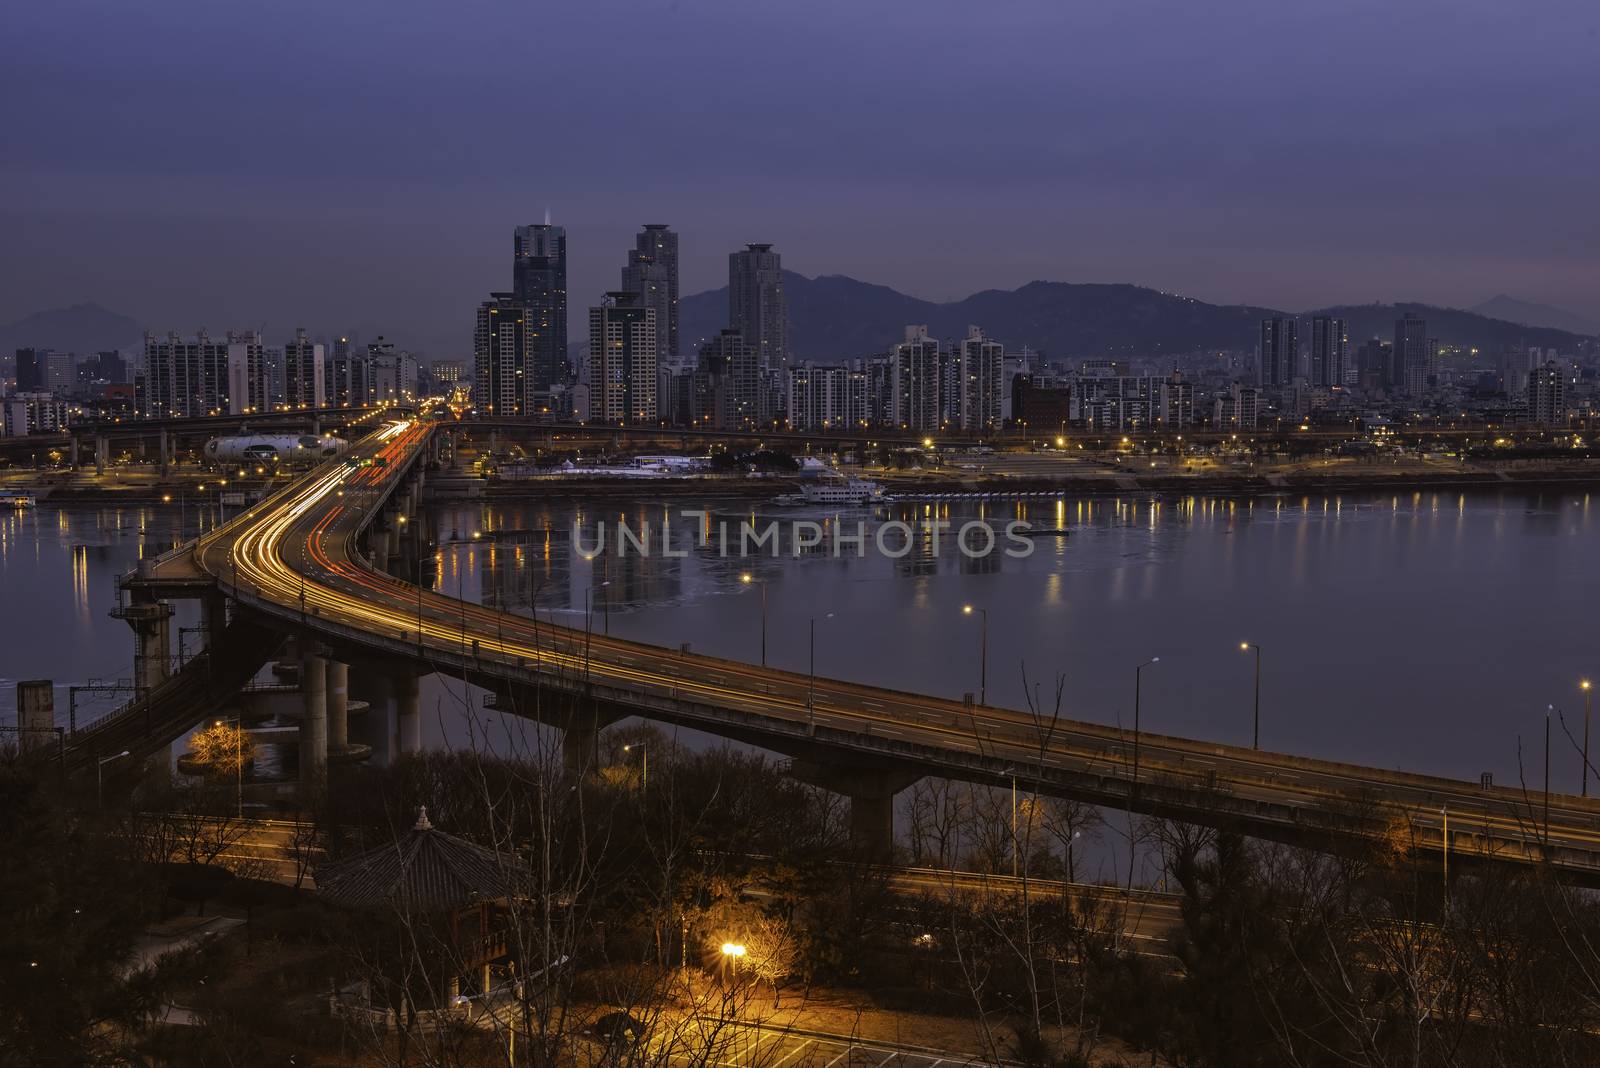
x,y
1426,631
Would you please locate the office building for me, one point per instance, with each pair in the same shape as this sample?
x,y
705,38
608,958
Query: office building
x,y
757,307
1279,353
1330,350
1411,355
622,360
539,281
30,370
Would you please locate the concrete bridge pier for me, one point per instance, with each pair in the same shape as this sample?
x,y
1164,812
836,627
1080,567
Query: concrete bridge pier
x,y
314,723
151,620
102,453
871,792
408,713
166,451
338,679
36,714
378,543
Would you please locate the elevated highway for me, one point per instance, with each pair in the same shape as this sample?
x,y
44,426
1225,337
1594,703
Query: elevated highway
x,y
299,562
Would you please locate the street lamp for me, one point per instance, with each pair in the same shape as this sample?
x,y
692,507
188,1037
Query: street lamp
x,y
811,688
749,579
1012,771
644,762
1138,679
99,777
1585,687
1255,738
983,652
238,758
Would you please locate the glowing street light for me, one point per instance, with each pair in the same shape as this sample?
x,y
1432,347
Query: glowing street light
x,y
749,579
734,949
644,762
1584,685
983,652
1255,738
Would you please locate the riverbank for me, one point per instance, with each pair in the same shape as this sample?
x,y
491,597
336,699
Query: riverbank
x,y
1081,480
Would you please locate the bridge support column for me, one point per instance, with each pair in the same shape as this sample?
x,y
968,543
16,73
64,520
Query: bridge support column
x,y
166,452
102,453
151,621
36,714
378,542
338,705
213,617
408,713
314,725
871,792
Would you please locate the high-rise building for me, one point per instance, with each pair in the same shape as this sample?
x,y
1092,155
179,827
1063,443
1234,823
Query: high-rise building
x,y
727,383
539,280
1411,355
1330,350
981,363
304,377
347,379
30,370
185,379
501,348
31,412
916,370
1280,351
821,398
391,371
658,243
622,360
648,280
757,307
1547,395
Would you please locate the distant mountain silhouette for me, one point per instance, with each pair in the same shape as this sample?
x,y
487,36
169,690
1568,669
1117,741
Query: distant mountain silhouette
x,y
833,318
1450,325
1528,313
83,327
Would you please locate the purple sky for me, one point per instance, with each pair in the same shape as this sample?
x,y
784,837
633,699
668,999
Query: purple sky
x,y
359,165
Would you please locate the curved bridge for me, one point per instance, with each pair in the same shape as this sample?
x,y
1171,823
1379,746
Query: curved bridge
x,y
296,562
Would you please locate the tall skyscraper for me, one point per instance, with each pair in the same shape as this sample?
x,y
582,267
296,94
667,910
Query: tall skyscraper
x,y
304,377
757,307
1547,397
982,377
622,361
539,280
1330,350
658,243
1411,354
647,279
916,370
501,346
1280,351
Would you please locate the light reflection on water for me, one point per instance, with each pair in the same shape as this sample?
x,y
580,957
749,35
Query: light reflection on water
x,y
1405,629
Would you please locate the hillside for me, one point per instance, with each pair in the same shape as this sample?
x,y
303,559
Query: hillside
x,y
83,327
833,317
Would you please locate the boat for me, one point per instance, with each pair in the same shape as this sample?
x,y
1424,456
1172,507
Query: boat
x,y
18,500
855,491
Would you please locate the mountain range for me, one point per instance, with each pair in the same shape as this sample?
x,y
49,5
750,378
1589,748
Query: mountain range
x,y
834,317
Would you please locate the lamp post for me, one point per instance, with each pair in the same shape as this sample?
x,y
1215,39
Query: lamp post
x,y
749,579
1255,737
99,777
238,757
1547,710
983,652
1138,678
811,686
1585,687
644,762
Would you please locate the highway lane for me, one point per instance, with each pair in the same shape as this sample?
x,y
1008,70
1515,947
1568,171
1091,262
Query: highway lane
x,y
299,553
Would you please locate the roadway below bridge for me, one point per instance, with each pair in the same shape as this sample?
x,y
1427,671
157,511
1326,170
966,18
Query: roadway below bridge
x,y
298,559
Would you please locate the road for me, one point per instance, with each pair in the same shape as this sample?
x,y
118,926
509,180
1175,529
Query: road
x,y
296,556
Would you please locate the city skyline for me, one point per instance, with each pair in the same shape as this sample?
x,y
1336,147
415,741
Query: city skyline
x,y
1204,196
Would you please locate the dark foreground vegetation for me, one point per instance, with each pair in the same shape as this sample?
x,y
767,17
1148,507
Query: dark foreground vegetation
x,y
625,889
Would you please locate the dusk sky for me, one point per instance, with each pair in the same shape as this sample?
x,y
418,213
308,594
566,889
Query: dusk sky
x,y
360,165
